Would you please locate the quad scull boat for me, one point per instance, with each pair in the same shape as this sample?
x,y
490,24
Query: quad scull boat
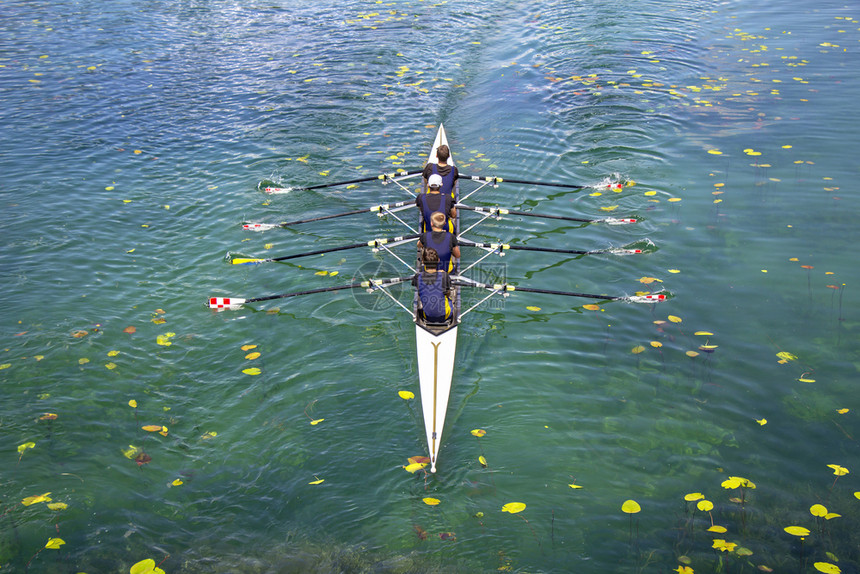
x,y
436,344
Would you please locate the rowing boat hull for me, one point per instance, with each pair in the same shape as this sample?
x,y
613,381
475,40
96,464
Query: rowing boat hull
x,y
435,371
436,349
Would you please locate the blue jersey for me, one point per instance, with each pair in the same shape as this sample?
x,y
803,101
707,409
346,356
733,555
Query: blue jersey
x,y
448,181
430,203
443,242
432,292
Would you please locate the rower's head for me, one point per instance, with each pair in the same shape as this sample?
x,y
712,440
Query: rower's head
x,y
438,220
431,259
443,153
434,182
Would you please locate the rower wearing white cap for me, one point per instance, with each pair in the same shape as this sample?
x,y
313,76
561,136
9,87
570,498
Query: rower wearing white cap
x,y
435,201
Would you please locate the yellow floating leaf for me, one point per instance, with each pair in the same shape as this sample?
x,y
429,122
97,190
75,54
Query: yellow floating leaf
x,y
609,208
637,349
817,510
479,432
252,371
575,486
827,568
25,446
838,470
252,356
692,353
248,347
5,366
514,507
630,507
786,356
316,422
693,496
648,280
49,417
406,395
144,567
656,344
762,422
828,516
113,353
132,403
532,308
317,481
805,380
704,333
415,466
132,451
483,461
842,411
165,339
54,543
715,152
36,499
177,482
321,273
110,366
591,307
650,193
333,273
431,501
705,505
151,428
674,199
717,528
675,319
797,530
58,505
673,270
209,434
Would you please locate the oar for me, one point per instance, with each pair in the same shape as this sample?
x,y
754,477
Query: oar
x,y
375,208
505,246
505,287
234,303
496,180
383,177
371,243
498,211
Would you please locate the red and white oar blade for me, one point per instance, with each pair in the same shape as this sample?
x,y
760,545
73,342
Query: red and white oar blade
x,y
650,298
259,226
222,303
618,221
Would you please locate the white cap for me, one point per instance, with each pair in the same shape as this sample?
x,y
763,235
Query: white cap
x,y
434,180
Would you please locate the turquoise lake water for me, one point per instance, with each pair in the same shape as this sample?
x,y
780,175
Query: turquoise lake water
x,y
136,139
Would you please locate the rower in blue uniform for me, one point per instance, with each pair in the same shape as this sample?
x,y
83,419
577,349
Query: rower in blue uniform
x,y
435,201
448,173
442,241
434,290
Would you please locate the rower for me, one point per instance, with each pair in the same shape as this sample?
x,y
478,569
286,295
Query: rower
x,y
435,201
434,290
441,241
448,173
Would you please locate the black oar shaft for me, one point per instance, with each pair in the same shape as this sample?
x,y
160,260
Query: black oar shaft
x,y
319,252
502,211
527,248
363,284
383,177
567,293
372,243
357,211
354,212
308,292
525,182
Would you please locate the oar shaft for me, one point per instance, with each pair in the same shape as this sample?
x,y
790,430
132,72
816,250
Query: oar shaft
x,y
566,293
375,208
503,211
371,243
525,182
382,177
505,246
308,292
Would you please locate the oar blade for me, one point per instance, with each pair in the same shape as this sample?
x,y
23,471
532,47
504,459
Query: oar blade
x,y
259,226
277,190
226,303
246,261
